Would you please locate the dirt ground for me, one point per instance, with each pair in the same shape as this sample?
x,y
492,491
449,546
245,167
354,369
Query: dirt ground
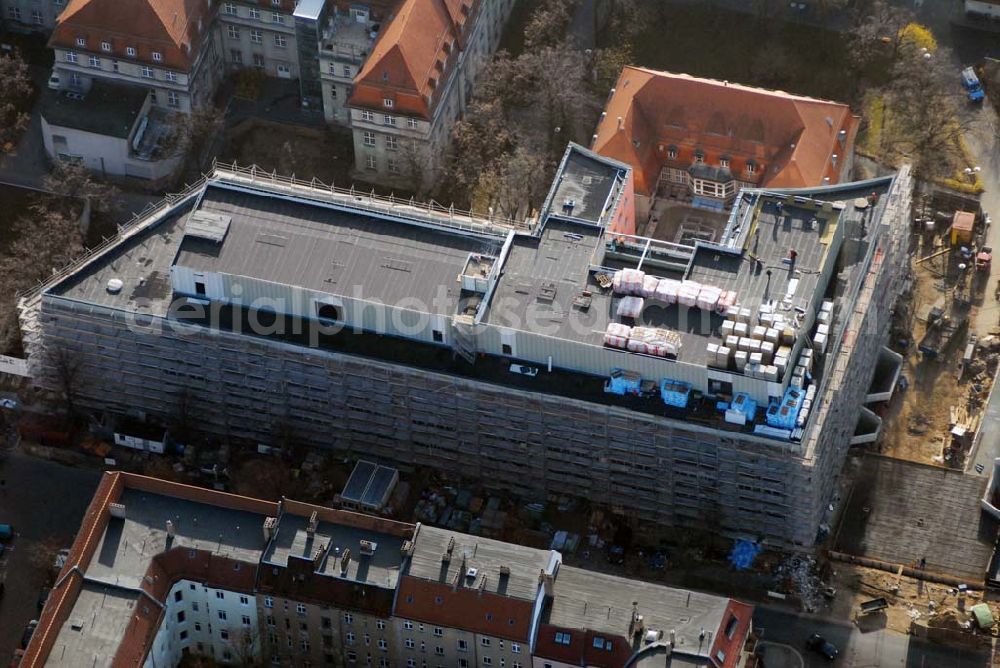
x,y
918,420
910,601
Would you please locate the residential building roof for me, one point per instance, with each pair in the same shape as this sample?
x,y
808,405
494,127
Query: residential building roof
x,y
791,138
587,186
173,28
413,56
108,109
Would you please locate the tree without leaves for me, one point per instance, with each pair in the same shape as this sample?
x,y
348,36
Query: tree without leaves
x,y
547,25
510,186
66,369
15,98
192,133
876,37
73,180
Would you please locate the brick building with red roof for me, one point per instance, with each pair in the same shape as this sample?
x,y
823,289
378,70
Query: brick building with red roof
x,y
161,569
706,139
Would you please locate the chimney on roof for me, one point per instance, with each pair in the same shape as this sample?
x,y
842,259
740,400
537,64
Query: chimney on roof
x,y
313,523
117,510
621,123
345,560
673,637
406,549
482,584
269,525
546,581
842,135
505,571
318,555
833,159
170,529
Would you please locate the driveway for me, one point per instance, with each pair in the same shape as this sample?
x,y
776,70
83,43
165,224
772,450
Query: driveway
x,y
45,502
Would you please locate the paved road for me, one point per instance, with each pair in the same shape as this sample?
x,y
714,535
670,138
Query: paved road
x,y
45,502
875,649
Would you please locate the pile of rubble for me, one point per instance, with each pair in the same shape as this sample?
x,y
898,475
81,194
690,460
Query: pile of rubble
x,y
798,575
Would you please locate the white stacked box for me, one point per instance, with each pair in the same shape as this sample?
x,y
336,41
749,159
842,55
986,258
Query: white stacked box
x,y
733,342
756,359
708,298
783,351
666,290
781,363
758,332
628,281
766,319
617,335
767,351
819,342
728,327
803,415
649,285
630,307
744,344
754,346
727,302
740,329
787,336
745,314
772,335
688,293
771,373
724,356
824,317
712,354
811,392
741,359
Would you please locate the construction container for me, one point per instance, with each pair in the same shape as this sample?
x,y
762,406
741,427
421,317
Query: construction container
x,y
623,382
675,393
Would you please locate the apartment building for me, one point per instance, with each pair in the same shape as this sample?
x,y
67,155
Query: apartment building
x,y
712,395
705,140
414,84
259,34
285,583
30,15
165,47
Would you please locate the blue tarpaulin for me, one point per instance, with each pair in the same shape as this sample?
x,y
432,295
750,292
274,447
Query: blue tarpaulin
x,y
744,553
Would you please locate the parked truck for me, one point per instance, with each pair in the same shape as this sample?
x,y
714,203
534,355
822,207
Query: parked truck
x,y
972,85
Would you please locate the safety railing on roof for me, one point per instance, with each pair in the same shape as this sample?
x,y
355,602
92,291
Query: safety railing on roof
x,y
152,209
429,212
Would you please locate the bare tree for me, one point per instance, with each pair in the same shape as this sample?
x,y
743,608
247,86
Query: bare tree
x,y
15,98
547,24
73,180
509,187
66,369
193,133
876,36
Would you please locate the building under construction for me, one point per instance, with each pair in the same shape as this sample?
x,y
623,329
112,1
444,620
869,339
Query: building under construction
x,y
717,385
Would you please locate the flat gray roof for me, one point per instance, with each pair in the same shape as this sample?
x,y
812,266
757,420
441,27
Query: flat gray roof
x,y
92,633
585,185
380,569
602,603
331,251
130,543
106,109
483,554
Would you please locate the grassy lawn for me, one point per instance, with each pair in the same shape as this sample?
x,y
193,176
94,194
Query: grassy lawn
x,y
715,43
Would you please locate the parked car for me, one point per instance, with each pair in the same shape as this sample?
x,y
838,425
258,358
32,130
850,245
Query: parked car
x,y
29,631
524,370
822,646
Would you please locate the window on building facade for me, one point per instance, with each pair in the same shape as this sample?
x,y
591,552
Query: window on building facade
x,y
279,41
275,3
724,162
463,646
254,13
172,99
146,71
105,46
234,32
411,123
515,648
438,631
75,80
277,18
236,56
409,643
367,115
439,650
180,617
130,51
224,634
411,663
347,70
300,608
382,644
71,57
256,36
380,624
348,617
389,120
95,62
80,41
563,638
222,615
258,61
369,140
170,76
246,620
14,13
220,595
751,167
268,602
387,103
157,56
485,642
487,661
229,8
36,17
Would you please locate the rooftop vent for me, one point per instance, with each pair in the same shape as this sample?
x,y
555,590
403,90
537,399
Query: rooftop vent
x,y
505,570
208,226
115,286
117,510
313,523
406,549
170,528
368,547
269,526
471,573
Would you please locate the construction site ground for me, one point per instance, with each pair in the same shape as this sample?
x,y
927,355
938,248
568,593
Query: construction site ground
x,y
917,422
